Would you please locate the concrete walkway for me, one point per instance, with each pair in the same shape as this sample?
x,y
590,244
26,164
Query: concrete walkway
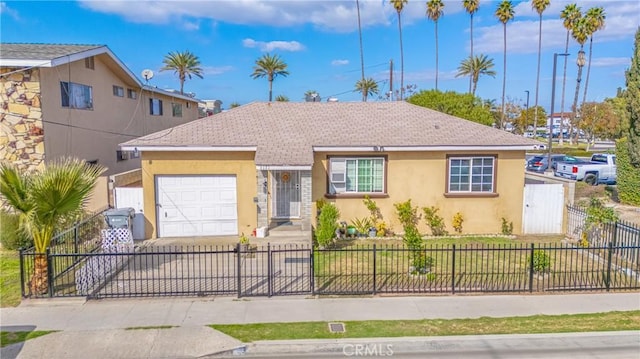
x,y
98,328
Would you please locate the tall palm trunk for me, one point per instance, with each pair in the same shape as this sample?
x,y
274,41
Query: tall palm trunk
x,y
504,74
401,59
182,79
471,77
535,111
39,284
364,95
564,82
436,55
475,84
575,99
270,87
586,81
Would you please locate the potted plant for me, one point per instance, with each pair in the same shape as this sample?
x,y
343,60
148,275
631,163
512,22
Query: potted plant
x,y
244,242
372,232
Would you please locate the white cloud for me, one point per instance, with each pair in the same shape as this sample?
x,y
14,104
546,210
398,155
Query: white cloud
x,y
339,62
213,70
6,10
610,61
191,25
273,45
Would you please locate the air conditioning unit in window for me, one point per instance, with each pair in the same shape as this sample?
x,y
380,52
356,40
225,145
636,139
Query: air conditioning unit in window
x,y
122,155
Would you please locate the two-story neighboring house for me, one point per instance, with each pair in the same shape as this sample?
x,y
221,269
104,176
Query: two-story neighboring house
x,y
80,101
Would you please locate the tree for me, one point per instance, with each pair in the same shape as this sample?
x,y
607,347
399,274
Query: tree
x,y
184,64
282,98
595,18
504,13
569,15
527,117
361,48
627,175
580,33
269,66
471,6
399,6
434,12
234,104
539,6
619,106
456,104
368,87
632,95
474,67
44,199
597,119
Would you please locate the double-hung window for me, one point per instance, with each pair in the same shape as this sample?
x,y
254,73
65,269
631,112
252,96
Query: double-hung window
x,y
471,175
155,107
76,95
176,109
356,175
118,91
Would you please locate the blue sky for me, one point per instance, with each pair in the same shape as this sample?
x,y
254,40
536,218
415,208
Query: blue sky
x,y
319,42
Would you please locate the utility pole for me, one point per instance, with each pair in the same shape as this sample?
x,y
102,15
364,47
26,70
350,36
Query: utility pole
x,y
391,80
526,117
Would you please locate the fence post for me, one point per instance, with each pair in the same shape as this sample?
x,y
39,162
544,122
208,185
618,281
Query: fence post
x,y
269,270
531,268
608,281
374,269
75,238
453,270
49,273
312,270
238,269
22,293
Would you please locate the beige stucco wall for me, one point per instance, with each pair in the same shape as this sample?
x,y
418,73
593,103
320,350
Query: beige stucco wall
x,y
95,134
240,164
421,177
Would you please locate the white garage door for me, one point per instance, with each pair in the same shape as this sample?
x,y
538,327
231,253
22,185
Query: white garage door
x,y
196,206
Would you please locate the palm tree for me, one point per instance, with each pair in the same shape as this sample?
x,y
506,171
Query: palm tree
x,y
474,67
368,87
184,64
472,7
282,98
312,96
539,6
504,13
44,199
569,14
270,66
595,17
361,48
399,5
580,32
434,11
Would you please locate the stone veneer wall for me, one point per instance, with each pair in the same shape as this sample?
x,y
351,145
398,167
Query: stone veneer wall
x,y
22,135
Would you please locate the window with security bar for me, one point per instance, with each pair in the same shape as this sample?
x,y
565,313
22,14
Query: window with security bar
x,y
356,175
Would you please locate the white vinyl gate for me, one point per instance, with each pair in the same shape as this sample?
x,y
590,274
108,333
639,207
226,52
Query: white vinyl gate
x,y
543,209
129,197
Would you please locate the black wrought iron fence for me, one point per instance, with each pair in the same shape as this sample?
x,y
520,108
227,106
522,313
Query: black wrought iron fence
x,y
357,269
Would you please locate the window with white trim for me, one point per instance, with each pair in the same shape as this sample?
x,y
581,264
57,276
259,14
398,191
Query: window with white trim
x,y
155,107
471,174
356,175
76,95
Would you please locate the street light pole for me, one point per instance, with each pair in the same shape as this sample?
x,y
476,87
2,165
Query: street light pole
x,y
526,117
553,98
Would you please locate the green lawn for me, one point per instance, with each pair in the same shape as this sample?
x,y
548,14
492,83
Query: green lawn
x,y
611,321
8,338
9,278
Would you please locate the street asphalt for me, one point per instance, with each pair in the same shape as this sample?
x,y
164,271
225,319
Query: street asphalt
x,y
130,328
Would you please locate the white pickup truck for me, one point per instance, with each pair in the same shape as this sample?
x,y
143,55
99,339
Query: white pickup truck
x,y
600,169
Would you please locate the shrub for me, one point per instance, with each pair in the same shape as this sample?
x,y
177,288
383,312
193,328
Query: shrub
x,y
327,224
421,263
541,261
457,222
507,227
628,176
434,221
373,208
319,204
381,229
10,235
362,224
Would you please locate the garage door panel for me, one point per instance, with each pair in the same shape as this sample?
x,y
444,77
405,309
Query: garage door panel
x,y
197,206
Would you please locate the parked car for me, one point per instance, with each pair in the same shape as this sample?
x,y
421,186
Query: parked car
x,y
601,169
540,163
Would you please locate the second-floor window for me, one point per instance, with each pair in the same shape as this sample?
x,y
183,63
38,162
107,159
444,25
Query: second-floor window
x,y
132,94
155,107
76,95
118,91
176,109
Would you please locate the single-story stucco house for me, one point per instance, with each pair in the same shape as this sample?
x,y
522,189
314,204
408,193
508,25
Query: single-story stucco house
x,y
263,164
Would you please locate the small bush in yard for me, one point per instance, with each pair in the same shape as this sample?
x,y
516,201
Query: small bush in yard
x,y
457,222
10,236
434,221
541,261
507,227
327,224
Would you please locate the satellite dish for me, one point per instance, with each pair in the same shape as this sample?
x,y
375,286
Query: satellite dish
x,y
147,75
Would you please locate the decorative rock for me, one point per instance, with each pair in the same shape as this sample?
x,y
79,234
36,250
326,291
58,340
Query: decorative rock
x,y
32,86
34,76
16,76
24,156
35,102
20,145
40,148
18,109
12,119
21,128
35,114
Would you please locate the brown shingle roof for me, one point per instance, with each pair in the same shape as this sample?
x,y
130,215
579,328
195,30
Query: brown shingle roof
x,y
285,132
16,51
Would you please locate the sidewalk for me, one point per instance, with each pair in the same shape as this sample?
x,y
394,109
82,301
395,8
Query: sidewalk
x,y
96,328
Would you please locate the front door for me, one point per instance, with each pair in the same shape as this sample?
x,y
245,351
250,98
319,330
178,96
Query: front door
x,y
285,192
